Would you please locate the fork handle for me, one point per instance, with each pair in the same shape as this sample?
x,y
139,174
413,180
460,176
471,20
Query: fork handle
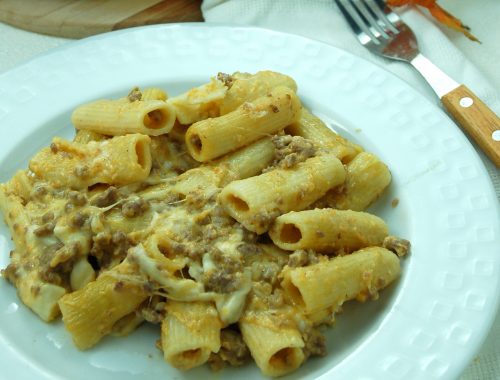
x,y
480,122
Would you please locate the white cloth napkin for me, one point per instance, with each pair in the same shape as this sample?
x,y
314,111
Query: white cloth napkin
x,y
321,20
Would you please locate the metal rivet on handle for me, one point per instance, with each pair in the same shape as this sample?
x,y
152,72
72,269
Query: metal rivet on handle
x,y
466,102
496,135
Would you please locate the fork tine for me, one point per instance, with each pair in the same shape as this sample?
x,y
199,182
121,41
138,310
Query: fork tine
x,y
368,16
384,14
356,22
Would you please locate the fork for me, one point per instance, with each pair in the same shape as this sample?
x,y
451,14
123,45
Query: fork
x,y
383,32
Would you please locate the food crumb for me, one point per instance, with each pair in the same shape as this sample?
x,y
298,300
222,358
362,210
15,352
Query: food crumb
x,y
395,202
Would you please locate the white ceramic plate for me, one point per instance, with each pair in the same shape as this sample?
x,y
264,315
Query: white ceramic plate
x,y
427,325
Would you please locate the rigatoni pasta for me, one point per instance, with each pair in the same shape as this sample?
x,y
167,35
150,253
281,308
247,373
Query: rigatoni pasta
x,y
214,137
152,214
257,201
119,117
328,230
117,161
359,275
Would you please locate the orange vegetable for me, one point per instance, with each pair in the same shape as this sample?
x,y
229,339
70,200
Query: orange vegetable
x,y
438,13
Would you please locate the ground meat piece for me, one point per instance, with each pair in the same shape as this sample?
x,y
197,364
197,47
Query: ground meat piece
x,y
44,230
106,198
78,220
134,95
48,217
226,277
233,351
249,249
397,245
221,281
291,150
315,344
227,79
54,148
76,198
107,247
264,219
56,274
135,207
301,258
10,273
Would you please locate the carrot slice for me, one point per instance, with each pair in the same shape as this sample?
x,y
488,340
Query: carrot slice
x,y
438,13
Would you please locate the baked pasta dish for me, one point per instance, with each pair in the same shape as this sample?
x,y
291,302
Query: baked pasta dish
x,y
229,215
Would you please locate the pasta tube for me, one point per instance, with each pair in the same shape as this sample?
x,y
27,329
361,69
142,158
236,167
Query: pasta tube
x,y
276,347
328,230
329,284
90,313
366,179
190,333
211,138
246,88
199,103
120,160
119,117
249,160
255,202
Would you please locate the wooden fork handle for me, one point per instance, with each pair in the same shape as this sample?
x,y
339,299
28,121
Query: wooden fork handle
x,y
475,118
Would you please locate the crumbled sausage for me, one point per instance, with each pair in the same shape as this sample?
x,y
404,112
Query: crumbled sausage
x,y
291,150
48,217
78,220
134,95
106,198
233,351
53,148
397,245
226,278
135,207
45,229
301,258
249,249
227,79
10,273
315,344
107,247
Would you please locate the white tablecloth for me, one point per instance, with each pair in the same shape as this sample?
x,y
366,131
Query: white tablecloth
x,y
17,46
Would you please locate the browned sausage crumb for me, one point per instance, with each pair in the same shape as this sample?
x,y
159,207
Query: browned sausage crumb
x,y
233,351
45,229
315,344
227,79
301,258
106,198
397,245
76,198
78,220
135,207
134,95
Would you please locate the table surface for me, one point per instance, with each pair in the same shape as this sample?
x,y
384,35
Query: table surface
x,y
17,46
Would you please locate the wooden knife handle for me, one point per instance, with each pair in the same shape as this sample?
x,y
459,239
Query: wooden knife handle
x,y
475,118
